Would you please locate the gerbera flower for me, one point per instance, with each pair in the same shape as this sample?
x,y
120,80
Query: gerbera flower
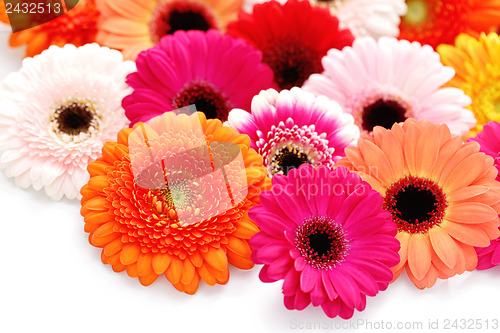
x,y
387,81
77,26
326,235
293,127
489,140
291,37
133,26
211,70
136,208
477,65
435,22
57,111
442,195
375,18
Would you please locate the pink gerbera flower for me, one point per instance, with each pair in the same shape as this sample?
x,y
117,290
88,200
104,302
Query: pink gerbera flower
x,y
326,235
293,127
388,81
213,71
489,140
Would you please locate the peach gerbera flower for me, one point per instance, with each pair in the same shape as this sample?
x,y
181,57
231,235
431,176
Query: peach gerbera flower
x,y
148,225
78,27
133,26
442,195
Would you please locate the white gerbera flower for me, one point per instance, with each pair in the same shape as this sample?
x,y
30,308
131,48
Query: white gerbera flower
x,y
57,111
374,18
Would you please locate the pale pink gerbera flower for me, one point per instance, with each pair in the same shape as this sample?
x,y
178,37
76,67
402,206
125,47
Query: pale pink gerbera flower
x,y
293,127
388,81
57,111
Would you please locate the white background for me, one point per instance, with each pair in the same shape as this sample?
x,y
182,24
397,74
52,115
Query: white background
x,y
52,280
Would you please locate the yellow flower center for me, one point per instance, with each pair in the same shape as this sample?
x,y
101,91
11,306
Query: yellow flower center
x,y
487,103
417,12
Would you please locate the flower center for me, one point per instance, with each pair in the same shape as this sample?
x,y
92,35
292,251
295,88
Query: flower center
x,y
383,112
487,103
207,99
287,159
287,147
416,204
75,122
321,242
170,16
292,63
417,12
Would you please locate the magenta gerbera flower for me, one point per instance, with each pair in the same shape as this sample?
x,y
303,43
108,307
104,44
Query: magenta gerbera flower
x,y
293,127
489,140
213,71
326,235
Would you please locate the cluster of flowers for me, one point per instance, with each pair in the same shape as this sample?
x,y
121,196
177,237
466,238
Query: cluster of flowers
x,y
365,130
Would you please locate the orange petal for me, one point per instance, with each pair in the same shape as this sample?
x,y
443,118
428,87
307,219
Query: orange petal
x,y
239,261
466,193
456,157
465,172
394,152
188,272
468,234
470,256
239,246
160,262
471,213
245,229
113,247
373,156
196,259
444,246
174,271
129,254
410,147
96,204
132,270
94,217
192,287
216,258
148,279
144,265
206,275
445,153
404,239
427,151
419,255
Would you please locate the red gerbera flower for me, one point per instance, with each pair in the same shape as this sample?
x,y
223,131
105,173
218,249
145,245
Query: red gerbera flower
x,y
436,22
292,37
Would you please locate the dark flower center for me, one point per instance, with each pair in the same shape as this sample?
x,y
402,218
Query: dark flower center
x,y
383,112
74,118
321,242
171,16
207,99
416,204
287,159
292,63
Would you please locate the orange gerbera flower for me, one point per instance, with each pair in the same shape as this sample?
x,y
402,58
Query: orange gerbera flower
x,y
435,22
149,222
442,195
133,26
78,27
